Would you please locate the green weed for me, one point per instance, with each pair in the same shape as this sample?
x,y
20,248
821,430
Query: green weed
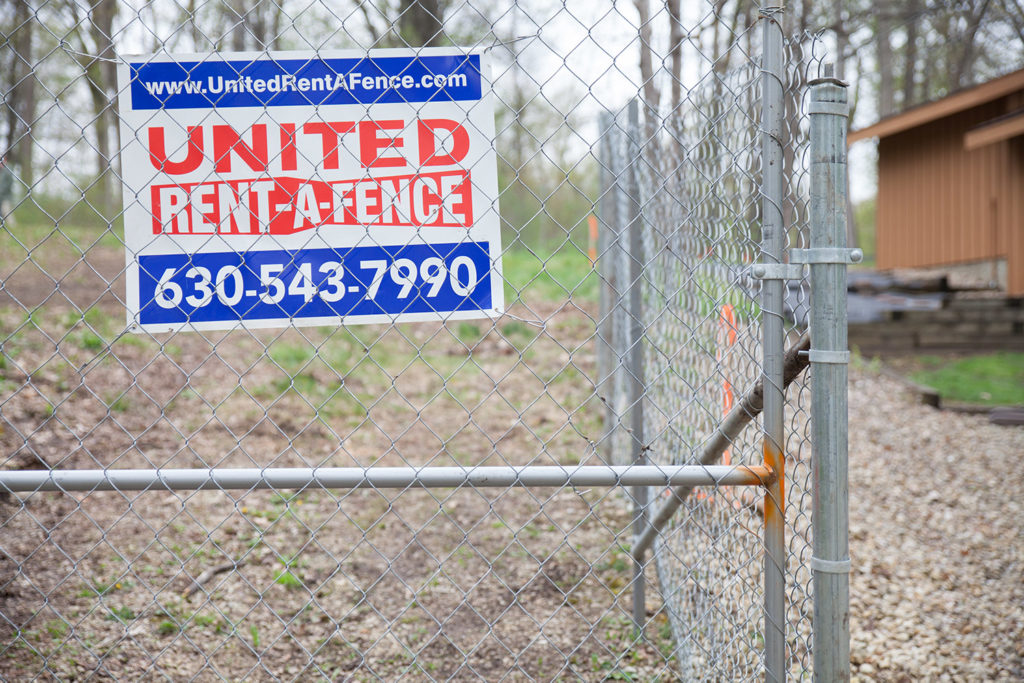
x,y
124,614
57,628
287,577
291,357
168,627
90,341
98,588
467,333
204,620
121,404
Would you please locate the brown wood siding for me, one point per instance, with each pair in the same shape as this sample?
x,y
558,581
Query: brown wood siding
x,y
939,203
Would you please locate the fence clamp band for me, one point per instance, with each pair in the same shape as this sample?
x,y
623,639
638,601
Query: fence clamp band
x,y
826,255
831,357
830,566
777,271
836,108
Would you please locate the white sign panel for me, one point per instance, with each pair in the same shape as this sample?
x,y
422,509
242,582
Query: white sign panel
x,y
302,188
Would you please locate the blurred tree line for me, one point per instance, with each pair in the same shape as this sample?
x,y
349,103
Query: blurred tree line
x,y
58,72
59,84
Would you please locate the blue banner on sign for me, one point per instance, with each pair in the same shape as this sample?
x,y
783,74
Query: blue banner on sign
x,y
271,82
314,283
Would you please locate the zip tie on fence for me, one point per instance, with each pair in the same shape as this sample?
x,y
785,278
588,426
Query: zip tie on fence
x,y
536,323
504,43
830,566
66,46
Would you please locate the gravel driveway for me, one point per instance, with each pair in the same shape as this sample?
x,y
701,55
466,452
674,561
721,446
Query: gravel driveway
x,y
936,540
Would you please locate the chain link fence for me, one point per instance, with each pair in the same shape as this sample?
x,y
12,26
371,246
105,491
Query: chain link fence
x,y
628,344
691,181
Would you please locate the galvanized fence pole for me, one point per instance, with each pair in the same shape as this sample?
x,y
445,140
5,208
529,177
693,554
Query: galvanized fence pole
x,y
772,244
638,450
829,357
607,238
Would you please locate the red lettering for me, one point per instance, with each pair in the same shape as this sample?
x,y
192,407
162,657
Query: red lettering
x,y
289,158
284,206
428,142
330,136
226,140
370,145
158,151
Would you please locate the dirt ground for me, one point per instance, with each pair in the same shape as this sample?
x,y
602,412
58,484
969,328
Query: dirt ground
x,y
414,584
362,584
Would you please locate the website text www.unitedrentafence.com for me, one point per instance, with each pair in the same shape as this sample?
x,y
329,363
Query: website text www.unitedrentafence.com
x,y
284,83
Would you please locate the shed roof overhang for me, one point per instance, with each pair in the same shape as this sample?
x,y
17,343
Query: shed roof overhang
x,y
997,130
947,106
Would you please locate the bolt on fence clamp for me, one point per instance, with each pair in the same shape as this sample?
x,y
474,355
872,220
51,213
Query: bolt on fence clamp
x,y
777,271
831,357
830,566
826,255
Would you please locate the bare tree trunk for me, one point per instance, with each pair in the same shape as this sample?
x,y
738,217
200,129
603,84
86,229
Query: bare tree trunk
x,y
190,10
235,13
258,24
277,10
650,88
101,73
886,85
675,39
715,50
842,38
421,23
936,67
963,71
264,21
911,19
21,112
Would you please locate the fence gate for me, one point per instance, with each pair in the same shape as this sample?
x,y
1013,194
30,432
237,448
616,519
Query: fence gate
x,y
439,362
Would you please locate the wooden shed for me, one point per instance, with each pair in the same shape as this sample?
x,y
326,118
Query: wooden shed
x,y
951,181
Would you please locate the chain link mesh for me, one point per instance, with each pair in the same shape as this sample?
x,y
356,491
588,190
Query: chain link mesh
x,y
419,584
697,197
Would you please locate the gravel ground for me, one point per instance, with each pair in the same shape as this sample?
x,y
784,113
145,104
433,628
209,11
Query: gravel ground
x,y
937,540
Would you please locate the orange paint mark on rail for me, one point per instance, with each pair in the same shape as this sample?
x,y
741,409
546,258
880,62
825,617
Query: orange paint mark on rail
x,y
592,250
775,494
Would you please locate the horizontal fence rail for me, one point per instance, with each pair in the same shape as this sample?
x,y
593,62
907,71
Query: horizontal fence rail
x,y
382,477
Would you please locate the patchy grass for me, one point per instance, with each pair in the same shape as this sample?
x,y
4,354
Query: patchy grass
x,y
124,614
365,563
549,275
991,379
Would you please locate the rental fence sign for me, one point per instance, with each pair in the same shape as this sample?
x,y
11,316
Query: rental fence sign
x,y
294,188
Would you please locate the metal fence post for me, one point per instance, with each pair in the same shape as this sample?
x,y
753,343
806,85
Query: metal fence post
x,y
772,244
607,237
638,453
829,357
